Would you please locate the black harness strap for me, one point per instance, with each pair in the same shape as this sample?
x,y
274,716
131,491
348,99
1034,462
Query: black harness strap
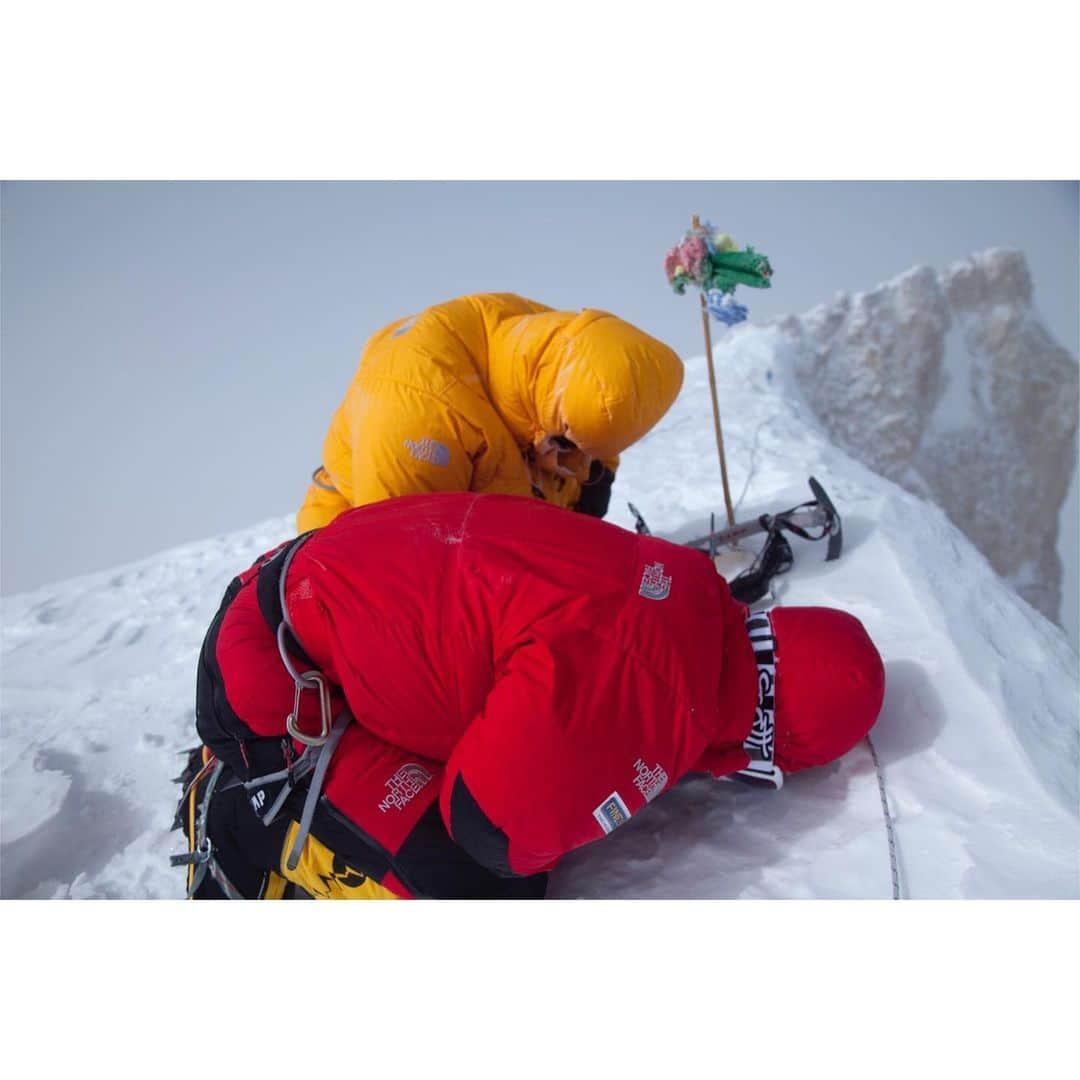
x,y
268,591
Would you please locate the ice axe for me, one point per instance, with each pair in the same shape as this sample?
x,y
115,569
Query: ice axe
x,y
776,556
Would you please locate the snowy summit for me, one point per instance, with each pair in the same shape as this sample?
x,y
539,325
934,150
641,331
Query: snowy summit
x,y
978,741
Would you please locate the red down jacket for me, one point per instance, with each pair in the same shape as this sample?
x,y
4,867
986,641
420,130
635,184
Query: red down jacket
x,y
543,674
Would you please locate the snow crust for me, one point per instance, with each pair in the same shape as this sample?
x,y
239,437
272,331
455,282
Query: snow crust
x,y
979,738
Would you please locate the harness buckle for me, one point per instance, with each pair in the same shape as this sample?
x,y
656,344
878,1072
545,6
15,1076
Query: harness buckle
x,y
311,680
196,857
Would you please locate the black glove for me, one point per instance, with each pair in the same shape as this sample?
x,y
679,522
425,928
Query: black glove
x,y
596,492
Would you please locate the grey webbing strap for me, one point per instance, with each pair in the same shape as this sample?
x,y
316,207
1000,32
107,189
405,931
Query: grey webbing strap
x,y
327,751
197,877
227,887
297,676
281,774
200,856
309,680
296,546
284,628
321,483
203,846
304,764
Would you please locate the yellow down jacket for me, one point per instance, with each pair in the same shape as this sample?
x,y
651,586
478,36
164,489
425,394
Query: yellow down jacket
x,y
469,396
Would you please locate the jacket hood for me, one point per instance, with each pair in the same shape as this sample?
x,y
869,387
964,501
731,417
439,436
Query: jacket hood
x,y
830,685
590,377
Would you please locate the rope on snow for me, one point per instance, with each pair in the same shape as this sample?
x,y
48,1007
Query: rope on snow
x,y
888,822
894,864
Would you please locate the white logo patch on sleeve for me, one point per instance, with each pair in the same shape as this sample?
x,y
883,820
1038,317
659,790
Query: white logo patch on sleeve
x,y
429,450
655,584
611,813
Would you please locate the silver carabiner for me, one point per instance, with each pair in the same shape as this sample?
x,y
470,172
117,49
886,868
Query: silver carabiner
x,y
311,680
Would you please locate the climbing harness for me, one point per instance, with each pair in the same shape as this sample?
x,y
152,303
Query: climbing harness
x,y
314,761
319,747
200,858
287,640
324,754
893,862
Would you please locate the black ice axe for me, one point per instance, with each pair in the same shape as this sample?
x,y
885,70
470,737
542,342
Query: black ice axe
x,y
814,520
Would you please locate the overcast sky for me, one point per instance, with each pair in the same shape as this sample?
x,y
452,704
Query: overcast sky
x,y
172,352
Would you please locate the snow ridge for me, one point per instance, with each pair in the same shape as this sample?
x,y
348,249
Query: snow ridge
x,y
978,739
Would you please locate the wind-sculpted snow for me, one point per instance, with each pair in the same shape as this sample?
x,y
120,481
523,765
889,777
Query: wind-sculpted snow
x,y
98,705
978,738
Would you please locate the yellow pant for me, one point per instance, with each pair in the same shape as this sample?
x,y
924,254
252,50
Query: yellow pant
x,y
324,875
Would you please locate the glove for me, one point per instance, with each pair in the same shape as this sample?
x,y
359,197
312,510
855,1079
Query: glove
x,y
596,491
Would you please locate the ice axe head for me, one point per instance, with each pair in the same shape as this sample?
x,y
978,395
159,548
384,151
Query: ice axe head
x,y
833,526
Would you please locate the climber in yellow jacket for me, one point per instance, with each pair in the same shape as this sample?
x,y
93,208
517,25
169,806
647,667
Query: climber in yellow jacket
x,y
493,393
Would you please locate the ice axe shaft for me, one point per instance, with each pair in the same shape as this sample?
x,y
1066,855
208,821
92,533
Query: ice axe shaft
x,y
804,519
818,514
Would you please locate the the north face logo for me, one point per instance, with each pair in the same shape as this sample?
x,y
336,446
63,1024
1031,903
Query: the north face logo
x,y
430,450
650,782
655,584
404,786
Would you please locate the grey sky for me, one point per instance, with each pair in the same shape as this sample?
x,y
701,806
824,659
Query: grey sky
x,y
172,352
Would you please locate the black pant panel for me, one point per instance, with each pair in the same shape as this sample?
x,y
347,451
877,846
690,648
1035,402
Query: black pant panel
x,y
245,849
439,868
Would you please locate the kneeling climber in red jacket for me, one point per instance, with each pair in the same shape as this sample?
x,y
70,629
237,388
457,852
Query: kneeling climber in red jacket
x,y
441,695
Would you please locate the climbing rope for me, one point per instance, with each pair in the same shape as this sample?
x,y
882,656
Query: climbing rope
x,y
888,822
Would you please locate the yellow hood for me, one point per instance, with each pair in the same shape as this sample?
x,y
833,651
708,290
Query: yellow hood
x,y
464,395
588,376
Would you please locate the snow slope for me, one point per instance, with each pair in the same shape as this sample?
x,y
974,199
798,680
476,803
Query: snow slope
x,y
979,738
